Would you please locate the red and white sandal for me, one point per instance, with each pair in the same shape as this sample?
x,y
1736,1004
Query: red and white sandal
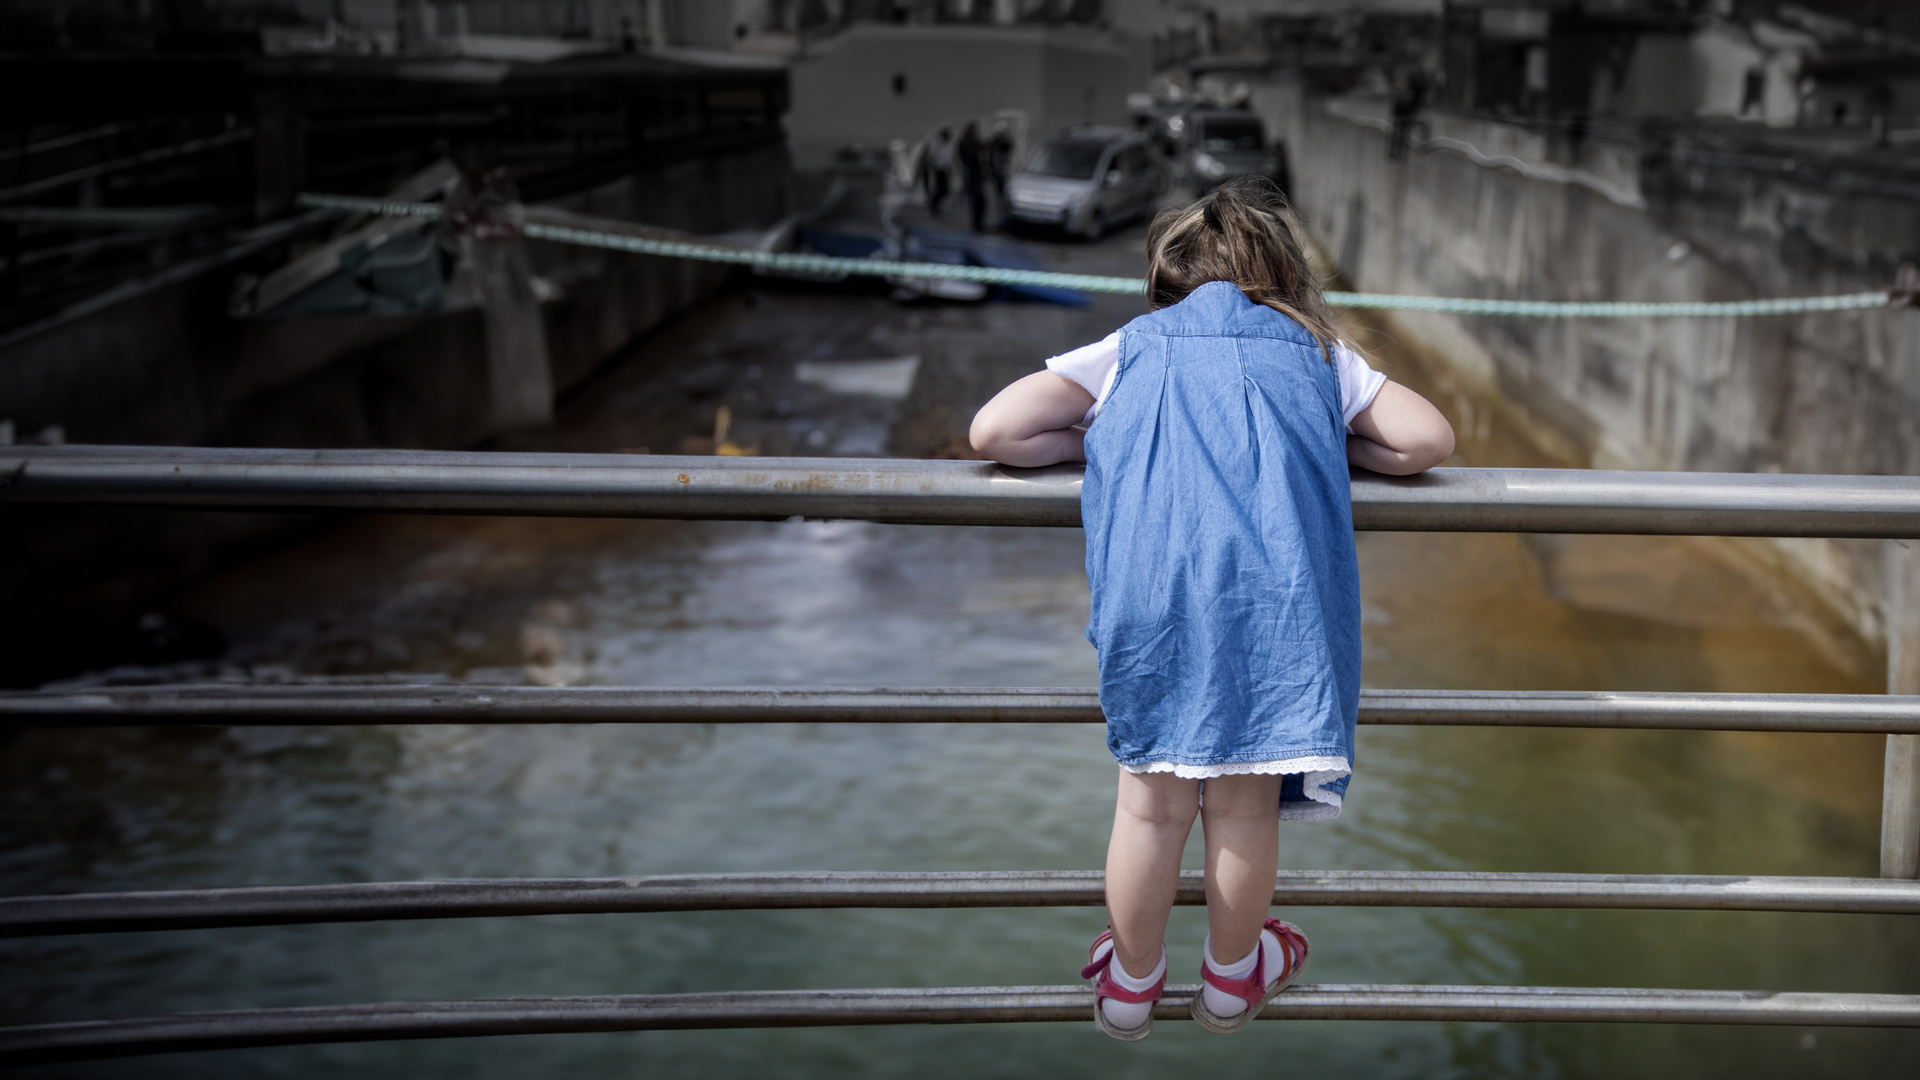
x,y
1253,988
1099,967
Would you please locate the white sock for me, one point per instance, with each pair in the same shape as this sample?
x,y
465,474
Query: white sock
x,y
1222,1004
1130,1014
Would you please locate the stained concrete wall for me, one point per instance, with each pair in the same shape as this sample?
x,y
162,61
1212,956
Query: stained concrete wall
x,y
167,365
1627,216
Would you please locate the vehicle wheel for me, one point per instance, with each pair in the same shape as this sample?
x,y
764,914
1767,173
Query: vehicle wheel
x,y
1097,225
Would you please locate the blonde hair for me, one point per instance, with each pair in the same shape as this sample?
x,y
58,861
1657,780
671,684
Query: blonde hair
x,y
1241,233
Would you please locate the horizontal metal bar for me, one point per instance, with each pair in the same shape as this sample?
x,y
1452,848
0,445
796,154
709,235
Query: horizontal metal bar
x,y
112,217
927,492
94,1039
105,168
1644,710
347,704
70,139
286,905
456,704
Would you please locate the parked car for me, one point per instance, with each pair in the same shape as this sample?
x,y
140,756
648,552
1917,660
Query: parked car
x,y
1086,180
1220,144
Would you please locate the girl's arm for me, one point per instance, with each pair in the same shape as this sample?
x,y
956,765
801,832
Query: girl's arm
x,y
1032,422
1401,433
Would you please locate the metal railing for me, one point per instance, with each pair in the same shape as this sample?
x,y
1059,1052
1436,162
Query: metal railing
x,y
924,492
942,492
292,905
352,704
44,1043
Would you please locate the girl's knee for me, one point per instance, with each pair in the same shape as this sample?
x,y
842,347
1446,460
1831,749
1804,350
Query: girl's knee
x,y
1158,798
1161,815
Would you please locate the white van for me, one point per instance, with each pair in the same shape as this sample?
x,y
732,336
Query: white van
x,y
1086,180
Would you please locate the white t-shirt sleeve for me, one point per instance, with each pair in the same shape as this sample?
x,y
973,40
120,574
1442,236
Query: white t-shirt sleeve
x,y
1359,384
1092,367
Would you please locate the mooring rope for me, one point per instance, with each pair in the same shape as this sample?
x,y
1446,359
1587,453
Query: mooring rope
x,y
996,275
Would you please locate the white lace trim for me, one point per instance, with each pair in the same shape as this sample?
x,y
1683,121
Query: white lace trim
x,y
1319,769
1319,763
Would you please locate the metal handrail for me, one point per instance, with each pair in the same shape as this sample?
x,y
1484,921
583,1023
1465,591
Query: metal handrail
x,y
288,905
926,492
357,704
944,492
94,1039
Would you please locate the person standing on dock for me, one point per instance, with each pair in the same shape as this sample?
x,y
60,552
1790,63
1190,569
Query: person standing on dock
x,y
1000,166
970,152
1226,599
937,170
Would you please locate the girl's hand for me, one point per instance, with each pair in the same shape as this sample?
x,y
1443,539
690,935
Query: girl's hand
x,y
1401,433
1032,422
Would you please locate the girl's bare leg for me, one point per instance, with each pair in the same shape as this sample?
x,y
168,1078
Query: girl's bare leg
x,y
1151,820
1241,819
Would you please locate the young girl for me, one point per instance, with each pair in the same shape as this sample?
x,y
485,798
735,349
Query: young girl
x,y
1226,606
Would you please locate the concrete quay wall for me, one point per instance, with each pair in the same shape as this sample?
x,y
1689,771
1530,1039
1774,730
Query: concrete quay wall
x,y
1487,209
166,364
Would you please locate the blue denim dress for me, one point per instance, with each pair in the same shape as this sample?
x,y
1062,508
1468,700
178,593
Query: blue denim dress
x,y
1219,522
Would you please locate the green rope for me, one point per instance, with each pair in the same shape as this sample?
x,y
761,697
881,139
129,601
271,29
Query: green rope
x,y
995,275
1611,309
831,264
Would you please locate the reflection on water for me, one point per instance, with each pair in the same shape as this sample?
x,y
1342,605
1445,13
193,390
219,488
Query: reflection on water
x,y
655,603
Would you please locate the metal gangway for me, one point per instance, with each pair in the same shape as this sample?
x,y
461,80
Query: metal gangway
x,y
961,493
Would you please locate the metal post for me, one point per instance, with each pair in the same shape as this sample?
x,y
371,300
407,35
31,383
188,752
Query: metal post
x,y
1900,791
519,376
